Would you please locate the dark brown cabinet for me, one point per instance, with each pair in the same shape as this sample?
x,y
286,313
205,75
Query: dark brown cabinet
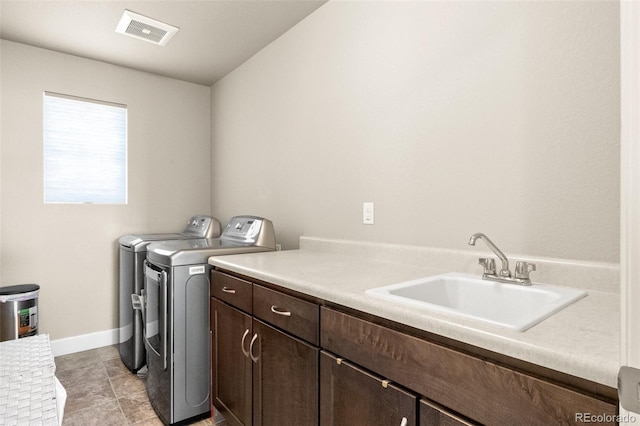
x,y
231,391
279,359
262,375
476,388
351,396
285,377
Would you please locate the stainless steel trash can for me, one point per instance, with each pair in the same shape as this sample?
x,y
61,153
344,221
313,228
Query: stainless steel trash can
x,y
18,311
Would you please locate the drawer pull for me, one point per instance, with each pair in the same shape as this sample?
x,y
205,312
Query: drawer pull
x,y
275,310
253,340
244,336
339,361
385,383
404,422
228,290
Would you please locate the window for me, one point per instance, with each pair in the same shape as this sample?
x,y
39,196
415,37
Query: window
x,y
85,151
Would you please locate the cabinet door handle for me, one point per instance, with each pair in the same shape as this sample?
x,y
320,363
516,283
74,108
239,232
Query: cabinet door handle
x,y
404,422
253,340
244,336
228,290
275,310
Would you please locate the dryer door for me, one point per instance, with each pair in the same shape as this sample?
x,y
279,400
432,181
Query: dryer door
x,y
156,308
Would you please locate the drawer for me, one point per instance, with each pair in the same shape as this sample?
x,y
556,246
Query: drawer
x,y
232,290
296,316
476,388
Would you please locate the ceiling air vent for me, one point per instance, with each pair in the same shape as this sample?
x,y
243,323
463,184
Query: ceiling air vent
x,y
144,28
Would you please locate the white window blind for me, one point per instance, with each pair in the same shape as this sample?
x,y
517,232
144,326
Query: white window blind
x,y
85,150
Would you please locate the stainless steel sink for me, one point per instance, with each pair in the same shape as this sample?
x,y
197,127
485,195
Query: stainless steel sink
x,y
508,305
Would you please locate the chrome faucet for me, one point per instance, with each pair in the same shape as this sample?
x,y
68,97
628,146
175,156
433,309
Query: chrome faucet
x,y
521,272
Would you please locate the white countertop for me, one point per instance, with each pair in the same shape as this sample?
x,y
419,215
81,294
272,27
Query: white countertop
x,y
582,340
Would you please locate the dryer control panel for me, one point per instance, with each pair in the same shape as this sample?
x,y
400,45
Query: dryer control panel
x,y
242,228
249,230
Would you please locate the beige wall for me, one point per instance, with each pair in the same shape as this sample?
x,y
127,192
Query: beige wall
x,y
71,250
453,117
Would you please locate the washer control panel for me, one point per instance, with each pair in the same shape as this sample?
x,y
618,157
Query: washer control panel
x,y
203,227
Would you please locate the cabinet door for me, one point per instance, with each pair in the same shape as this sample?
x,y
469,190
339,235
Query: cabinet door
x,y
435,415
285,379
351,396
231,367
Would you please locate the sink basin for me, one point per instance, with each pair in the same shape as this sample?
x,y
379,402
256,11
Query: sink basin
x,y
508,305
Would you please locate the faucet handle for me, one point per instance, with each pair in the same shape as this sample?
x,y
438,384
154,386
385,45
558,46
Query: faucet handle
x,y
523,268
488,264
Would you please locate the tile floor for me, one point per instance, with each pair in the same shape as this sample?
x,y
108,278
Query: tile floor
x,y
101,391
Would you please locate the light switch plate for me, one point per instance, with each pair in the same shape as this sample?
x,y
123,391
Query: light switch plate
x,y
629,388
367,213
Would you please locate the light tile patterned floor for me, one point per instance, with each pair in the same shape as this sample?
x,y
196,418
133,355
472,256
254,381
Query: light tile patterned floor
x,y
101,391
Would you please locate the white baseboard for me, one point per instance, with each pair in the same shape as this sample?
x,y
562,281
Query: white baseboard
x,y
84,342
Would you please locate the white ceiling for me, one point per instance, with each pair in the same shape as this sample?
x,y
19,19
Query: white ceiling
x,y
215,36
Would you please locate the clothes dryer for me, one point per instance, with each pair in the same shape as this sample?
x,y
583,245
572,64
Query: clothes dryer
x,y
175,303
